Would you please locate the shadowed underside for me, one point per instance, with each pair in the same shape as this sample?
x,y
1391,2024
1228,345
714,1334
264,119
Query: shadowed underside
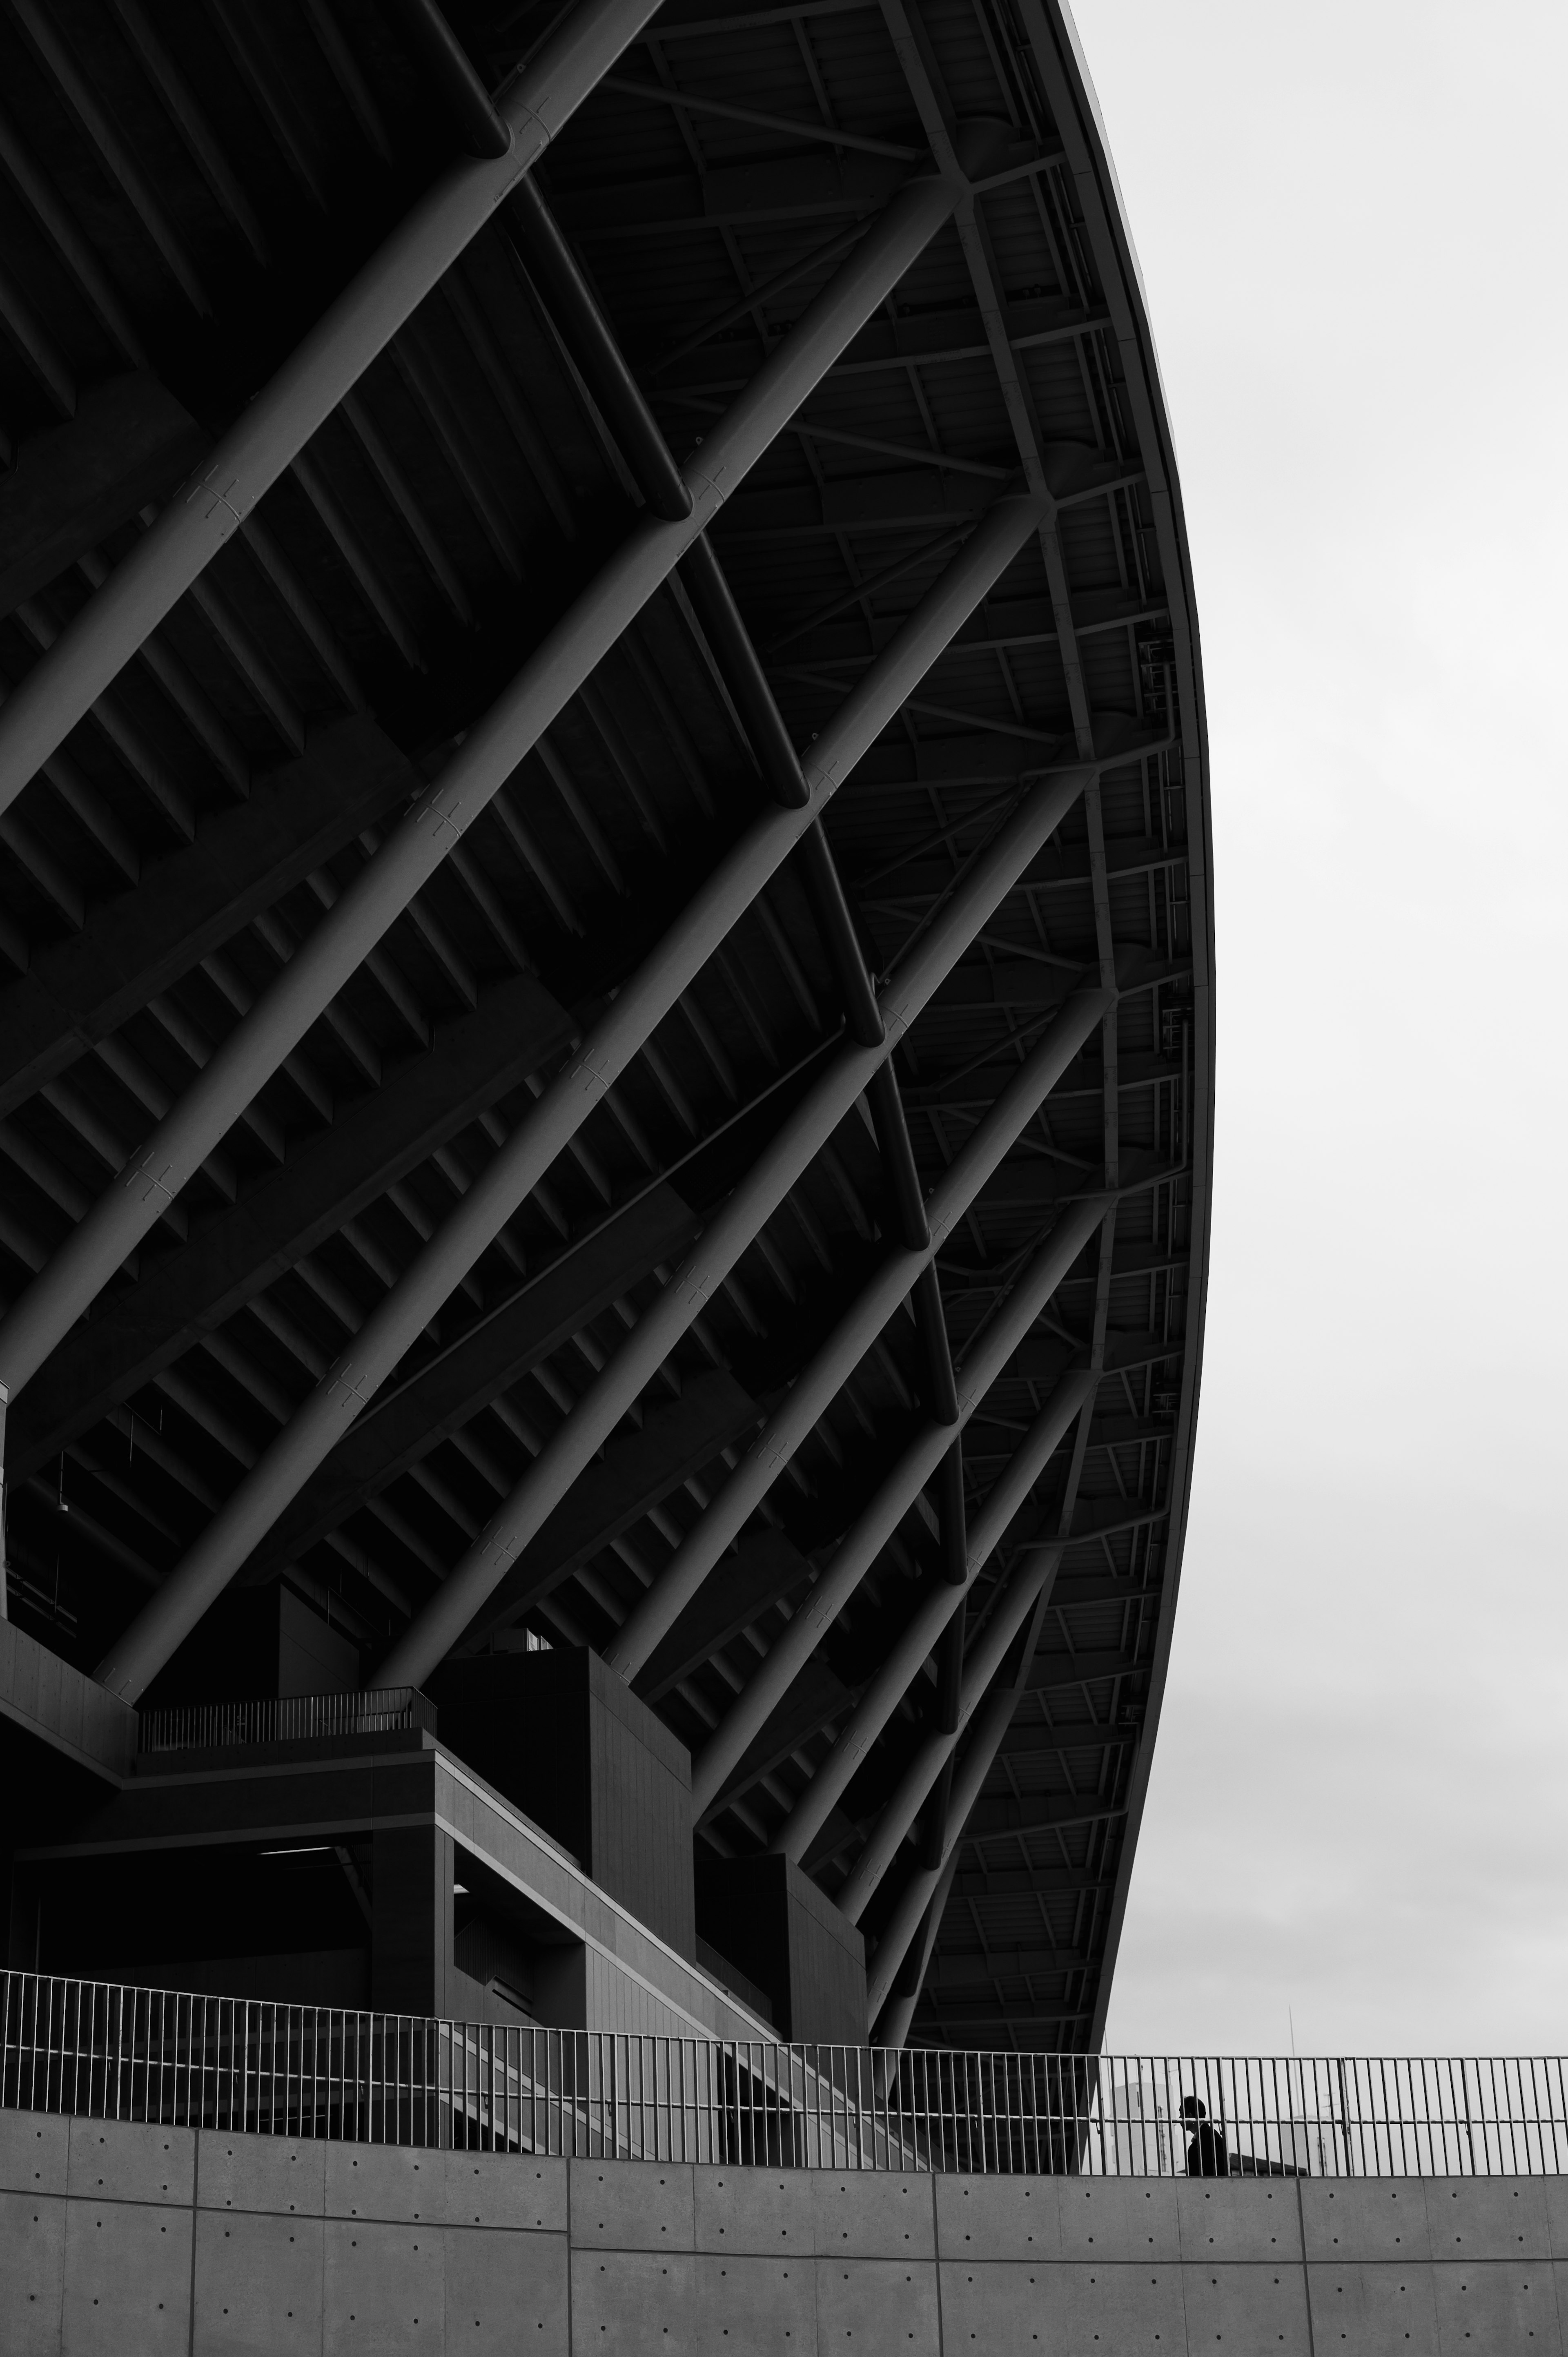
x,y
605,1020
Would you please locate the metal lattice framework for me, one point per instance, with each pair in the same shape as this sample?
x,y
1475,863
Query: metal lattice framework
x,y
608,1025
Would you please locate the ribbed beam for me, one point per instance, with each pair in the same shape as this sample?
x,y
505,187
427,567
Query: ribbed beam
x,y
273,428
490,753
566,1102
819,1383
450,1613
795,1644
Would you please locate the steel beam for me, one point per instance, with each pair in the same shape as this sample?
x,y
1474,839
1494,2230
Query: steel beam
x,y
795,1643
993,1819
920,1889
185,906
553,267
571,1447
273,428
409,1419
730,644
558,1114
67,488
1029,1581
764,1570
489,755
819,1383
894,2027
924,1629
327,1180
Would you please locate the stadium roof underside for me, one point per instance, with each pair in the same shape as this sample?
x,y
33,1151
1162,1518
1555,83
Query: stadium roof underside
x,y
607,1020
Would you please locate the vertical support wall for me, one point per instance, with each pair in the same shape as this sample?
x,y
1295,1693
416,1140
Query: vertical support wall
x,y
110,2233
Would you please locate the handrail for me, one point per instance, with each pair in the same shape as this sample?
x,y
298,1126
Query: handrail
x,y
293,1719
99,2050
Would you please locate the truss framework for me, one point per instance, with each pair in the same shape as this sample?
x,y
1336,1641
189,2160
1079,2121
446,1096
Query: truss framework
x,y
605,1040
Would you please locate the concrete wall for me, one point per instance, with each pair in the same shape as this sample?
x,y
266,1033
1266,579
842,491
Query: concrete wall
x,y
116,2238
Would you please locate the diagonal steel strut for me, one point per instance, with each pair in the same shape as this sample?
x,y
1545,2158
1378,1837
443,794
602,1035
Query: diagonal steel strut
x,y
572,1445
795,1644
554,1117
273,427
818,1383
492,752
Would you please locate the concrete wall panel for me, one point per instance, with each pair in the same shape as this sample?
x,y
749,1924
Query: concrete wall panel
x,y
383,2288
865,2214
1502,2308
767,2211
432,2252
755,2307
127,2279
999,2217
121,2161
876,2307
632,2303
1002,2308
259,2285
632,2205
506,2292
504,2189
1243,2303
1125,2309
1369,2309
1119,2217
32,2273
34,2152
389,2181
253,2173
1380,2219
1488,2218
1556,2191
1253,2220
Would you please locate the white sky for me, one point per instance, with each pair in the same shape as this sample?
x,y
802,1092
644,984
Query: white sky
x,y
1353,224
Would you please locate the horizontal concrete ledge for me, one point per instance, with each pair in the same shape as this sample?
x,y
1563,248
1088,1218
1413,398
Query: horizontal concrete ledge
x,y
154,2237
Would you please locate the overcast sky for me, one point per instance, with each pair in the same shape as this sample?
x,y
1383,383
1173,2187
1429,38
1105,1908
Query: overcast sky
x,y
1353,226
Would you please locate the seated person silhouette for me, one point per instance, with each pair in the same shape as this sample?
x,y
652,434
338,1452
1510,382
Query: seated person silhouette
x,y
1205,2153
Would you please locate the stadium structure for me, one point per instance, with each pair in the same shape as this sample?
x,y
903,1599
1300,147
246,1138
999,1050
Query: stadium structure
x,y
606,1026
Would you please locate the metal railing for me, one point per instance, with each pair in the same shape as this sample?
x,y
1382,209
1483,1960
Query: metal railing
x,y
105,2052
294,1718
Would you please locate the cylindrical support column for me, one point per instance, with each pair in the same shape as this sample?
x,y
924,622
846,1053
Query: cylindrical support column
x,y
1028,1581
554,1119
950,1520
898,1158
552,265
916,1895
271,430
832,910
735,656
798,1639
819,1383
931,1615
570,1449
893,2029
489,755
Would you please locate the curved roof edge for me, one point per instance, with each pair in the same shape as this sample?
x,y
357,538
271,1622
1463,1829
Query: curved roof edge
x,y
1054,38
